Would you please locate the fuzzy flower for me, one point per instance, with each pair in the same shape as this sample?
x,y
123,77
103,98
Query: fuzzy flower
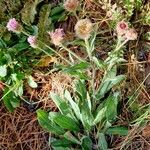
x,y
83,28
32,40
71,5
131,34
13,25
121,28
57,36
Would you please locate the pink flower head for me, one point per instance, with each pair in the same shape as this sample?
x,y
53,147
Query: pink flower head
x,y
32,40
71,5
121,28
57,36
12,25
131,34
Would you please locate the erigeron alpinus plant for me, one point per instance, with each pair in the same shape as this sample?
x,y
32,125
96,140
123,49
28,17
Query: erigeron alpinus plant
x,y
84,116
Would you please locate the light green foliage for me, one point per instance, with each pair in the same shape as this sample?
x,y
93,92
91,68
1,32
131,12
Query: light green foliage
x,y
129,5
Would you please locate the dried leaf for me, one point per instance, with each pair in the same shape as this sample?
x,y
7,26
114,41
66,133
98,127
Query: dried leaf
x,y
45,61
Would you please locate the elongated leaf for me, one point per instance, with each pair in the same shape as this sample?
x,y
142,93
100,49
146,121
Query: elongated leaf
x,y
61,143
118,130
102,143
71,138
111,105
86,143
57,10
81,89
100,115
86,116
60,103
44,121
89,102
108,84
73,104
100,64
78,70
65,122
80,66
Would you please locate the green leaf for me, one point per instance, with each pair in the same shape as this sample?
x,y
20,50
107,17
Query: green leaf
x,y
86,116
71,138
80,66
102,143
81,89
58,13
31,82
44,121
10,100
20,47
100,64
15,102
100,115
89,102
117,130
61,143
108,84
73,104
57,10
65,122
79,74
111,105
60,148
86,143
3,71
61,104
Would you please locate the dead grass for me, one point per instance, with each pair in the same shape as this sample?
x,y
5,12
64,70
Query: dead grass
x,y
21,131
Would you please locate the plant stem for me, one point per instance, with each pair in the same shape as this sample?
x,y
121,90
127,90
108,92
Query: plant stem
x,y
58,54
120,45
48,48
69,51
88,49
75,14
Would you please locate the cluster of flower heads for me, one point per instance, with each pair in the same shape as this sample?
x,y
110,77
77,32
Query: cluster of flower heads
x,y
83,29
125,32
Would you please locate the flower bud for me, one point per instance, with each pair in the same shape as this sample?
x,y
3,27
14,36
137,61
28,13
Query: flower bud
x,y
32,40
